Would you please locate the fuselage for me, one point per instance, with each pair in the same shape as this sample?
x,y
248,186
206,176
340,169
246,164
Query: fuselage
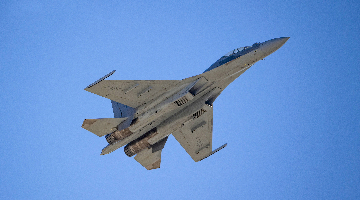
x,y
160,118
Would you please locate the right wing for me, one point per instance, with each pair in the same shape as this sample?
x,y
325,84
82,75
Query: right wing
x,y
133,93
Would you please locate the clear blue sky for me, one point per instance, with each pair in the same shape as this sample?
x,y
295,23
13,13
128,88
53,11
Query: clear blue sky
x,y
292,121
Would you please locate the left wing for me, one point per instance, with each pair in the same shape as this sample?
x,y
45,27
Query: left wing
x,y
195,136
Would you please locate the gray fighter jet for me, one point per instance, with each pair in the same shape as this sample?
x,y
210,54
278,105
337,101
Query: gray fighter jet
x,y
146,112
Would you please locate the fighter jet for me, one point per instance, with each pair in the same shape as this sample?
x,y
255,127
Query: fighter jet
x,y
146,112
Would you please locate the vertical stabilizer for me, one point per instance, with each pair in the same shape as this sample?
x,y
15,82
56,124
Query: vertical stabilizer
x,y
120,111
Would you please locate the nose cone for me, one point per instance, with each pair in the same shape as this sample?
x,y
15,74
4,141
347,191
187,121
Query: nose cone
x,y
281,41
272,45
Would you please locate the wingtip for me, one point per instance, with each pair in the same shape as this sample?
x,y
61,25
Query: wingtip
x,y
101,79
213,152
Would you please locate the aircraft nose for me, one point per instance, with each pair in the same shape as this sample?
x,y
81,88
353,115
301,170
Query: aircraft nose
x,y
272,45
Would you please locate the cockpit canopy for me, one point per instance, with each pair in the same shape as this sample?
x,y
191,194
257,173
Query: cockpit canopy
x,y
228,57
235,51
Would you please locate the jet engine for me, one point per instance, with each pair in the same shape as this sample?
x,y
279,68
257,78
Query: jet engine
x,y
118,135
138,145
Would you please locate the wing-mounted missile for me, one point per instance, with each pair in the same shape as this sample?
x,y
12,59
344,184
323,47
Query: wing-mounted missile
x,y
216,150
101,79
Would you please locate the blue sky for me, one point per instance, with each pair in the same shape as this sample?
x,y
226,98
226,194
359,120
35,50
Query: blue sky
x,y
292,121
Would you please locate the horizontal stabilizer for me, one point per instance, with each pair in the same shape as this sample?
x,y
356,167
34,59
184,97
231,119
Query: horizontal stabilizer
x,y
149,159
101,127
